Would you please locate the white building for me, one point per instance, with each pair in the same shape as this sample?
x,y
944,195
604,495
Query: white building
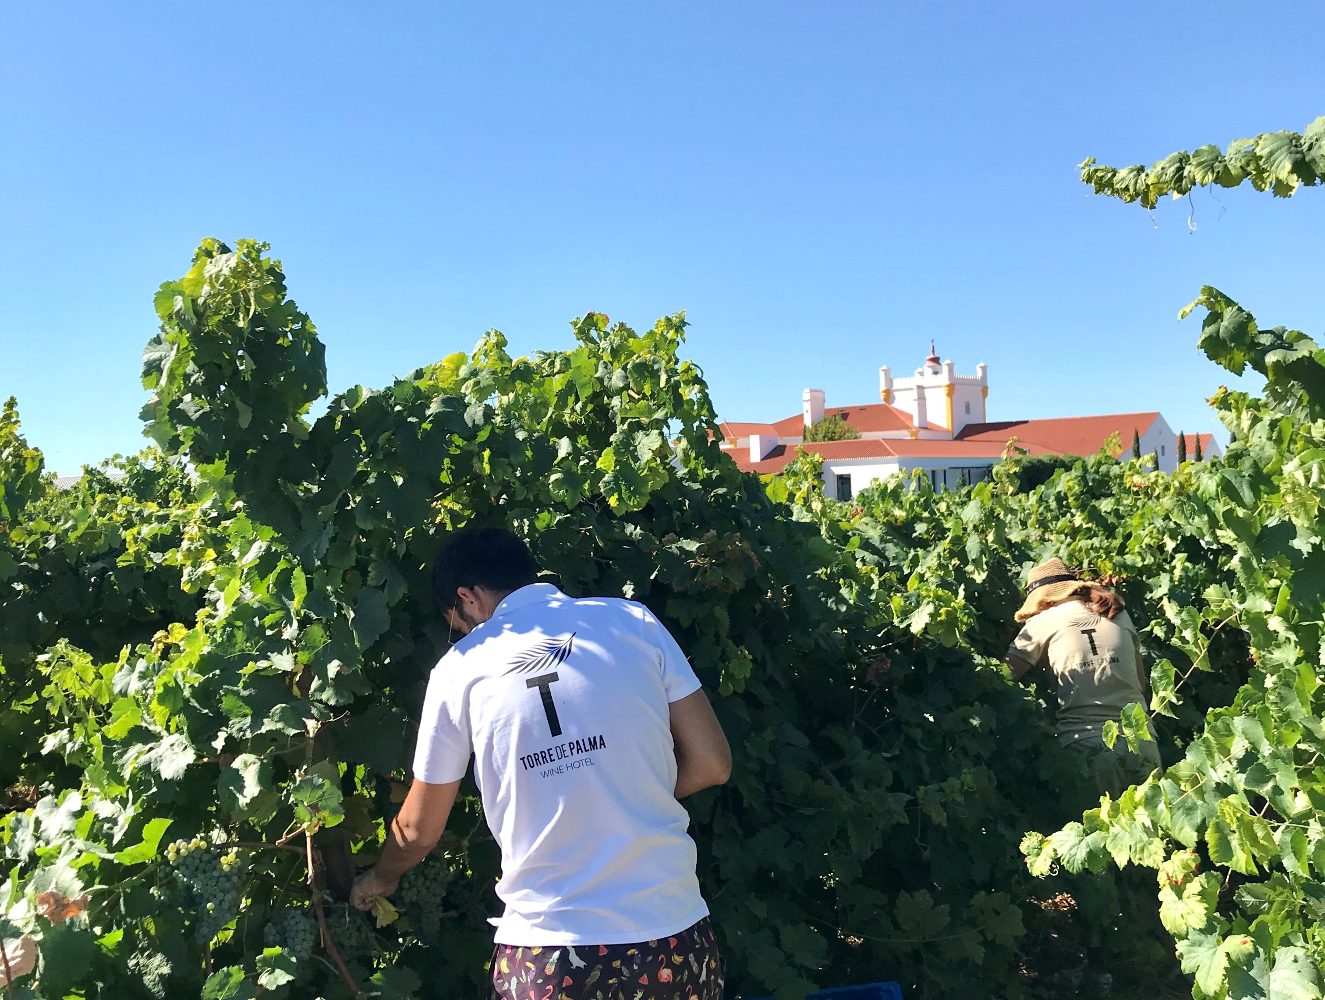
x,y
936,421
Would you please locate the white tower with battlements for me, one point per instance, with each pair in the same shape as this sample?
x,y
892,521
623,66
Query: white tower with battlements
x,y
936,397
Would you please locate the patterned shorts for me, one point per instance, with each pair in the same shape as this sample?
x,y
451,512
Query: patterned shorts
x,y
685,966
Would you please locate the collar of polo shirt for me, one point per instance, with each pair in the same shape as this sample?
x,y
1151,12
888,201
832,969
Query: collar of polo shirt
x,y
530,593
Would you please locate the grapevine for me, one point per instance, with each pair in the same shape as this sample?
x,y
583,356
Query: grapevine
x,y
1280,162
1234,825
231,634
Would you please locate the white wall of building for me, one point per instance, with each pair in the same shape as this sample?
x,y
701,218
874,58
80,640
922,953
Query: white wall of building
x,y
861,471
761,445
969,397
948,473
1161,440
943,473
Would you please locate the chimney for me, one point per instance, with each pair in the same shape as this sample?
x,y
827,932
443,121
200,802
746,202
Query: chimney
x,y
761,445
885,384
813,408
922,420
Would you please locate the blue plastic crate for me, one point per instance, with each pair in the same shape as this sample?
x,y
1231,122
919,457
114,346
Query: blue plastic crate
x,y
868,991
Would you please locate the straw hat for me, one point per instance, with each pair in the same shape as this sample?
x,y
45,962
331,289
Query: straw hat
x,y
1049,583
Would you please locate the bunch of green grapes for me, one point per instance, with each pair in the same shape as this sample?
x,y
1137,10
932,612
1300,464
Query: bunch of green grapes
x,y
422,891
212,883
351,932
293,930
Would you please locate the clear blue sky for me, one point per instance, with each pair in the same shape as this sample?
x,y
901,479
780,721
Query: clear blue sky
x,y
822,186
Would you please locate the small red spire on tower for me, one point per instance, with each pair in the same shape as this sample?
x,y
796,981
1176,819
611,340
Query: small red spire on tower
x,y
933,358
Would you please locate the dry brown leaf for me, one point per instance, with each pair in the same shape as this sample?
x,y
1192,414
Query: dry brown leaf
x,y
57,907
21,957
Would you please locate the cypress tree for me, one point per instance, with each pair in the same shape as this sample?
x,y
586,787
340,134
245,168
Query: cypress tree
x,y
1199,456
1136,443
1182,447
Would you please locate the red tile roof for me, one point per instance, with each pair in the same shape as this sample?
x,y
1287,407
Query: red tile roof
x,y
865,448
784,454
871,417
1062,435
1207,443
1057,436
921,448
733,429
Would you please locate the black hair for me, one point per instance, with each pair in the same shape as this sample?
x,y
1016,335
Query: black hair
x,y
481,557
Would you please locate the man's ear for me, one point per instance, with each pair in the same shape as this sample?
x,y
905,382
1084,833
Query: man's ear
x,y
466,594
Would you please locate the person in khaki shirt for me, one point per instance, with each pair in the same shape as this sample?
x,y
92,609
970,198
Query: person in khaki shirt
x,y
1080,630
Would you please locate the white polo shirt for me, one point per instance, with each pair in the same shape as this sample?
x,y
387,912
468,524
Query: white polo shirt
x,y
563,704
1097,661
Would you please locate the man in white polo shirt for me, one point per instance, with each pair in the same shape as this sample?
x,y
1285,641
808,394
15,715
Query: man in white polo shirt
x,y
586,724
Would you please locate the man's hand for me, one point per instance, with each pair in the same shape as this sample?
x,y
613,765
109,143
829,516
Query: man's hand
x,y
409,837
370,887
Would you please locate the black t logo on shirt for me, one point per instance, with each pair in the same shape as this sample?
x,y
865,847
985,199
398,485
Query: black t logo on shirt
x,y
545,656
1089,633
543,682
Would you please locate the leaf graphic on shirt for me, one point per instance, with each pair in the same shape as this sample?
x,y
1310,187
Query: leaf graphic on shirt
x,y
544,656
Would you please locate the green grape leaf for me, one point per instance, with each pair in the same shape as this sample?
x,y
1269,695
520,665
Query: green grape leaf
x,y
918,917
171,757
1294,851
1203,957
1135,727
1039,854
1187,813
245,789
1248,972
396,983
1109,733
997,918
125,714
371,619
145,849
1294,976
317,797
1281,154
228,984
384,914
1188,908
66,952
1129,842
1078,849
276,968
1228,848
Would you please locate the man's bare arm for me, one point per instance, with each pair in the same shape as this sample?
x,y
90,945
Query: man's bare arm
x,y
1019,667
703,757
409,839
